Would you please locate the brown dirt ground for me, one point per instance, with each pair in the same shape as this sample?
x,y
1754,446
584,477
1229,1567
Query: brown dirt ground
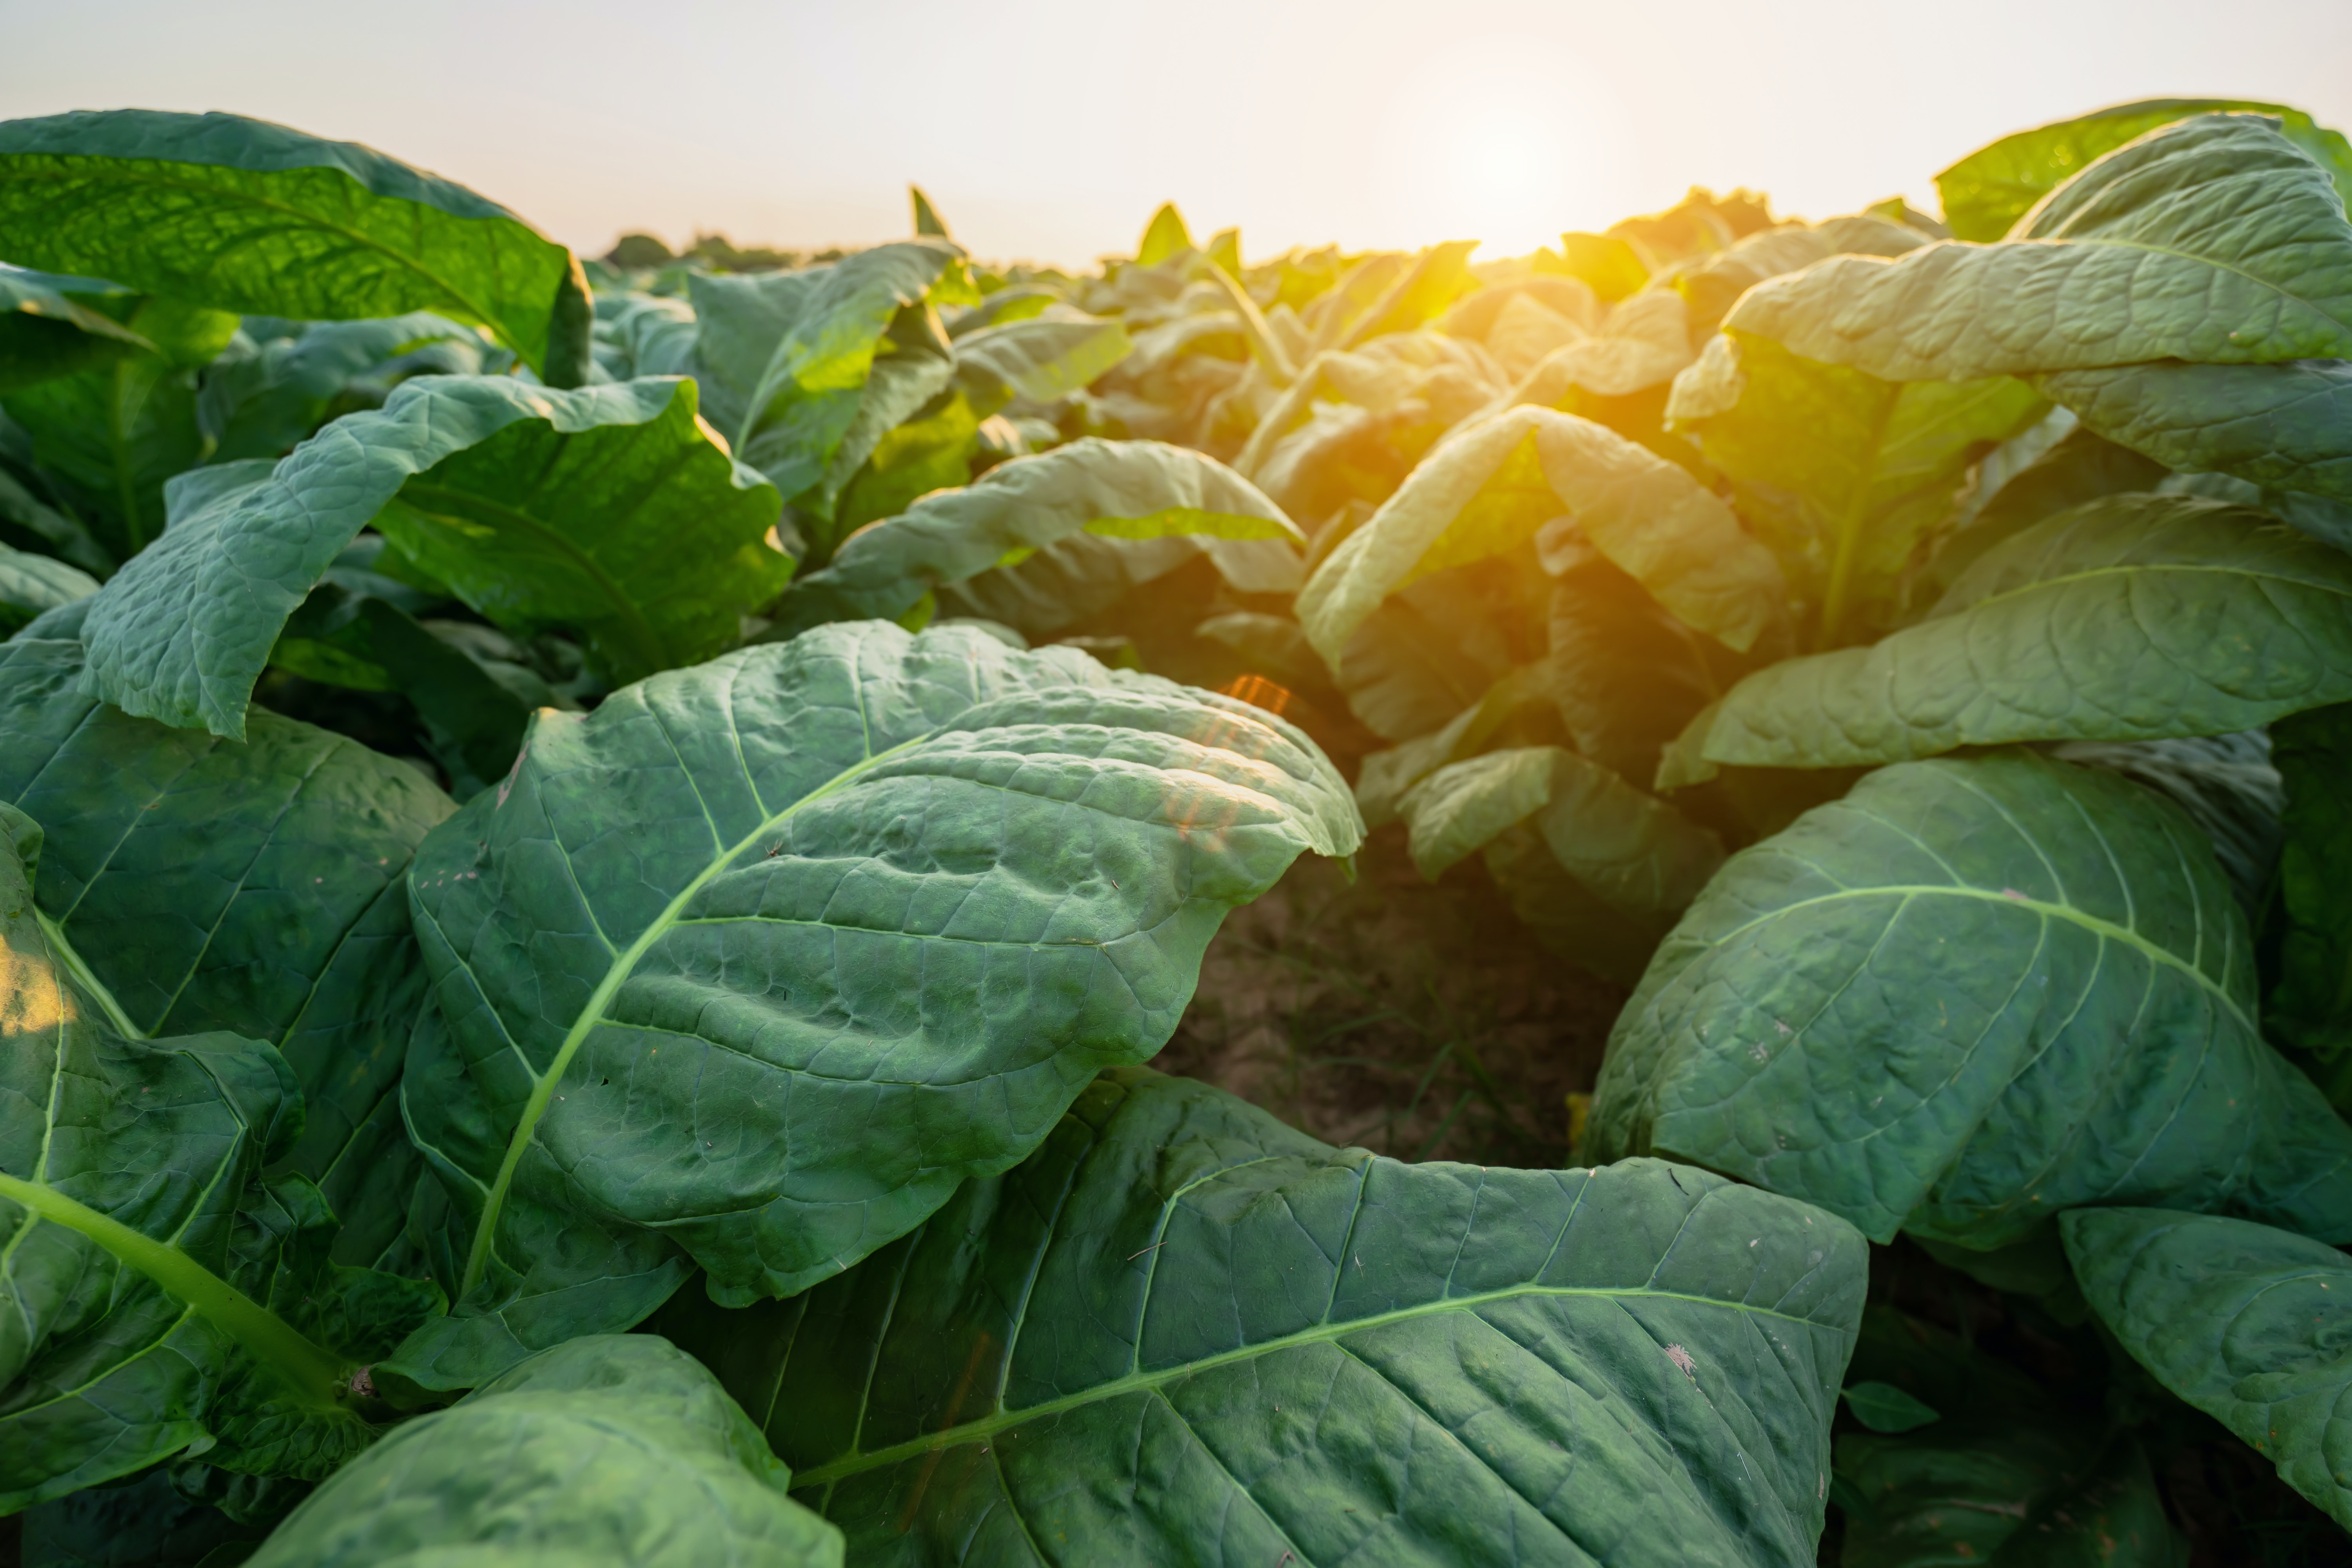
x,y
1417,1020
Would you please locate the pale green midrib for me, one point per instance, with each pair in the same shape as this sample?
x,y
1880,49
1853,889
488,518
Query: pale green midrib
x,y
1321,1334
649,645
2092,923
85,980
593,1014
310,1369
460,297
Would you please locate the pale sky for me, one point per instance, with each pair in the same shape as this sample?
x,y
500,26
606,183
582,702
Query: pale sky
x,y
1049,129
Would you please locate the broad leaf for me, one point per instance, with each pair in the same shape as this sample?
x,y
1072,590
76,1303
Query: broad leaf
x,y
206,885
609,511
2311,1006
614,1451
1141,490
1968,995
143,1258
784,357
1625,676
2288,427
1987,192
2081,465
1183,1331
112,435
759,961
1713,286
1882,1407
2131,618
1164,237
1847,476
2227,785
243,216
46,332
1488,490
2245,1323
2215,240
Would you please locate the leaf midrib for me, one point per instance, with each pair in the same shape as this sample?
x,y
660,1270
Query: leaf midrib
x,y
2106,930
1319,1333
624,964
646,643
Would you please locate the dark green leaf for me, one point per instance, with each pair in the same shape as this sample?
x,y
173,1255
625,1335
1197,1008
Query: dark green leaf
x,y
2215,239
144,1524
2288,427
608,510
206,885
46,332
2311,1006
2245,1323
243,216
30,583
112,435
30,523
151,1276
759,961
614,1451
1183,1331
1968,995
263,401
2135,617
2227,785
1987,192
2081,465
1882,1407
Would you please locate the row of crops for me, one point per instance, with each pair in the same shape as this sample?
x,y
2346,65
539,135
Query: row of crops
x,y
594,851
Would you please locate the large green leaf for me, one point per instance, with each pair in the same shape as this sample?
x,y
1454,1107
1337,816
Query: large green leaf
x,y
243,216
2245,1323
1987,192
111,435
46,332
1139,491
2215,239
1845,475
151,1277
759,961
2081,465
1488,489
1968,995
784,357
2130,618
614,1451
2288,427
1181,1331
206,886
608,510
2311,1006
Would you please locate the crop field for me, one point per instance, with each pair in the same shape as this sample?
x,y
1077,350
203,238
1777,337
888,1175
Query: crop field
x,y
1685,899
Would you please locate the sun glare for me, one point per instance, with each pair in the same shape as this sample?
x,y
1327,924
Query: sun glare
x,y
1505,145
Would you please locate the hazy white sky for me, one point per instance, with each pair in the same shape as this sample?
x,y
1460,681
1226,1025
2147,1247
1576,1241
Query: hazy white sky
x,y
1050,129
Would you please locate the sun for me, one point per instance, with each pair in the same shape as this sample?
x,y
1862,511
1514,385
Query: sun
x,y
1507,145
